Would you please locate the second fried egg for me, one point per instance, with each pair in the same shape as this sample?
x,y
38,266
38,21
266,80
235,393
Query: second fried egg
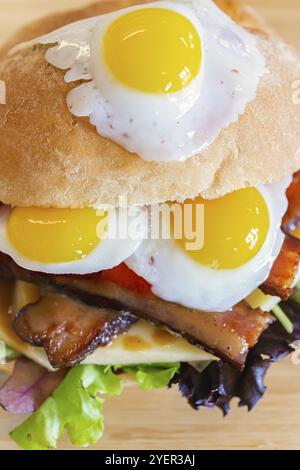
x,y
242,238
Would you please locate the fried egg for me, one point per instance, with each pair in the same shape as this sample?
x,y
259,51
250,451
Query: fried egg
x,y
161,79
242,238
70,241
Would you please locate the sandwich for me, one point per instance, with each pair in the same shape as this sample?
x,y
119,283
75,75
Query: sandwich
x,y
150,210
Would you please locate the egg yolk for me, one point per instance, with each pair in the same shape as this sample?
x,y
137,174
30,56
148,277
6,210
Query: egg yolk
x,y
55,235
153,50
235,228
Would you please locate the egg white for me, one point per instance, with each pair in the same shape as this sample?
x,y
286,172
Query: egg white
x,y
161,127
175,277
112,250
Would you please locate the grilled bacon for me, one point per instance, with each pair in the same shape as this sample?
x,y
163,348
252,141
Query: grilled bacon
x,y
282,278
229,335
68,329
284,271
292,216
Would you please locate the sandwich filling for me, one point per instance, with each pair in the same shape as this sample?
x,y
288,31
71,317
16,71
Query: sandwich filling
x,y
74,310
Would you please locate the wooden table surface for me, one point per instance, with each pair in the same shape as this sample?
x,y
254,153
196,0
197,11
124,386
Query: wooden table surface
x,y
161,419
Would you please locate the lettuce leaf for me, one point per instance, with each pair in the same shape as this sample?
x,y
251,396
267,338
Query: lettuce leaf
x,y
28,386
150,376
74,406
220,382
77,405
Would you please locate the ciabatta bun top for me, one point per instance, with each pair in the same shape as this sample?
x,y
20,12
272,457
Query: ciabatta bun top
x,y
50,158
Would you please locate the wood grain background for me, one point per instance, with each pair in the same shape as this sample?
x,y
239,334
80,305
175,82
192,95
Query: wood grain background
x,y
161,419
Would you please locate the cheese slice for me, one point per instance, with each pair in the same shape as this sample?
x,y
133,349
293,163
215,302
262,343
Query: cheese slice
x,y
146,343
7,334
263,301
142,343
266,302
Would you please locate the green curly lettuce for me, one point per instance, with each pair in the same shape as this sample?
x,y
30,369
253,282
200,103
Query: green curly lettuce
x,y
150,376
77,404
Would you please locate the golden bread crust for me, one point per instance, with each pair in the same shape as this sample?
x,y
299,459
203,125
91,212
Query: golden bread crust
x,y
50,158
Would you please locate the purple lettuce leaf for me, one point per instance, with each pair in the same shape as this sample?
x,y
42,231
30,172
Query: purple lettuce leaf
x,y
28,387
220,382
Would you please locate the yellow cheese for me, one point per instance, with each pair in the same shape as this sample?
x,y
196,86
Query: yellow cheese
x,y
24,294
263,301
8,297
146,343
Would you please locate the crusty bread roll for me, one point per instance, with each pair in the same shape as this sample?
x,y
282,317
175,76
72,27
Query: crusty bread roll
x,y
50,158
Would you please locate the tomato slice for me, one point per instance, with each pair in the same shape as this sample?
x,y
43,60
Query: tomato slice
x,y
124,277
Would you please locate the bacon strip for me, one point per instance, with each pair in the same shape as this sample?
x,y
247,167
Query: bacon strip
x,y
284,271
229,335
282,278
67,329
292,216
